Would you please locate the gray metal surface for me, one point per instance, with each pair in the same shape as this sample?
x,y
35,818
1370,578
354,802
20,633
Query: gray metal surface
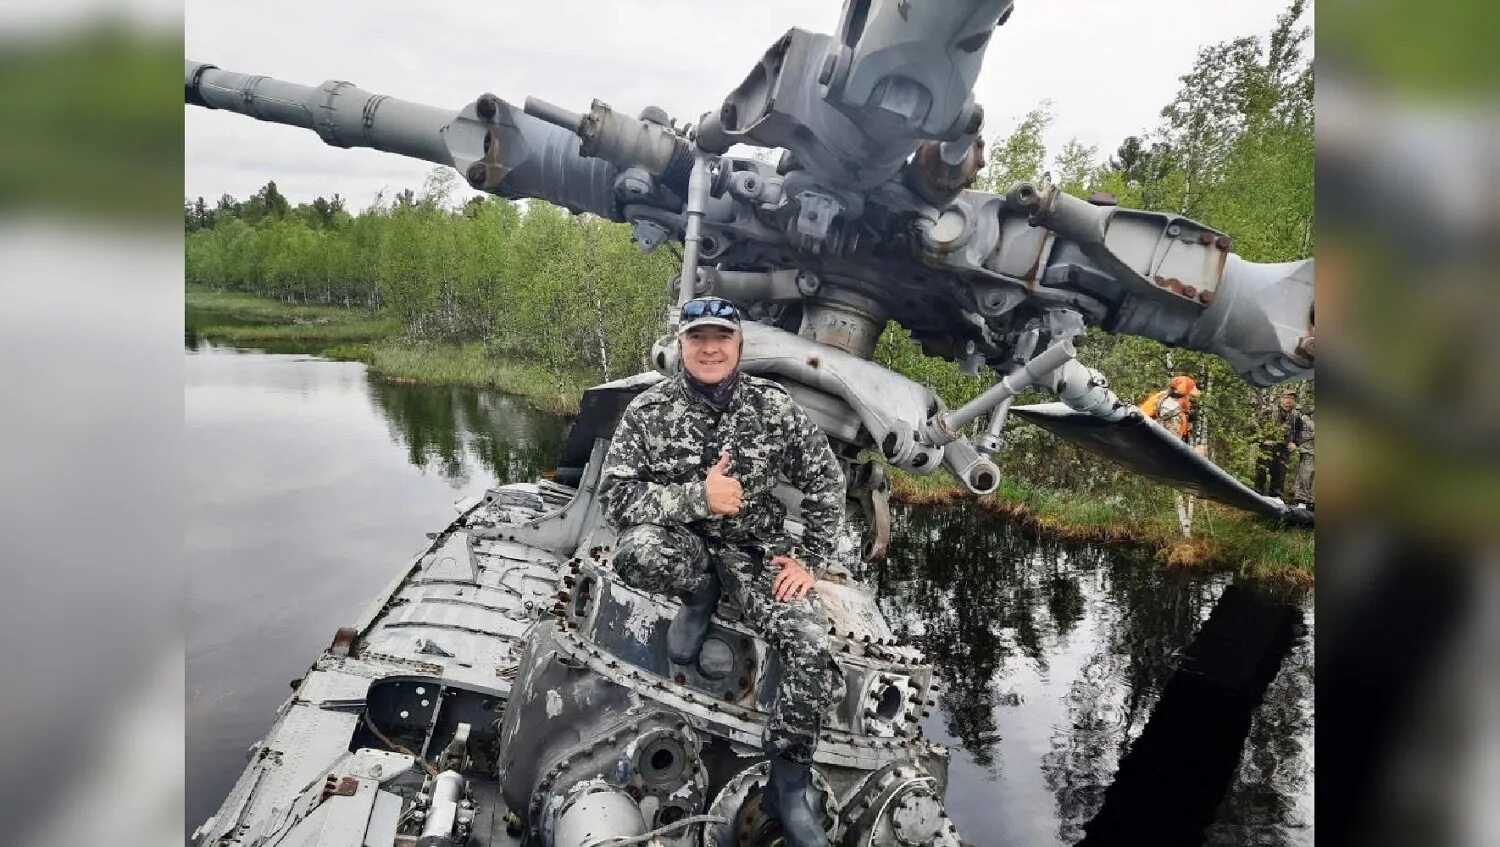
x,y
1146,447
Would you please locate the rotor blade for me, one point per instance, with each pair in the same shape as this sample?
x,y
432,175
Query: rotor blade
x,y
1144,446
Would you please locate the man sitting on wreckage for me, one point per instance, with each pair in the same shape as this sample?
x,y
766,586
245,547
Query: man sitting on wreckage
x,y
688,483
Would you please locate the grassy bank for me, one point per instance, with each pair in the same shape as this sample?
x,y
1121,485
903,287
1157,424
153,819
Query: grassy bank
x,y
1223,537
359,335
246,319
469,364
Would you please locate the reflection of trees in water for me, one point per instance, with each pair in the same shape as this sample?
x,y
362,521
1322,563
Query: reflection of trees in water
x,y
1268,802
972,592
456,429
1152,614
977,594
1147,615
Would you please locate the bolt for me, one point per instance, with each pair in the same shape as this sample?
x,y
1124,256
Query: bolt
x,y
1173,231
1205,297
487,106
477,174
976,120
1205,238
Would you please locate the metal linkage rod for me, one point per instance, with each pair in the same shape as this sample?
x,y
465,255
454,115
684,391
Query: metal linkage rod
x,y
1032,372
697,204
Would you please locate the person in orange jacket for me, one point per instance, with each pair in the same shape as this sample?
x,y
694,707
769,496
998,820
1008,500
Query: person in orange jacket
x,y
1171,407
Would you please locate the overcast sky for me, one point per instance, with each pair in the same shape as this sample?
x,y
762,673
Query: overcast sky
x,y
1107,65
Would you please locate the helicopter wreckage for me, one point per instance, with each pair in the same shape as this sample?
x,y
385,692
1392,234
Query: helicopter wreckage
x,y
507,688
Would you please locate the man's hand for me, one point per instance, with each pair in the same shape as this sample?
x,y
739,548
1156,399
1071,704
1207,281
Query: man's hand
x,y
793,582
723,491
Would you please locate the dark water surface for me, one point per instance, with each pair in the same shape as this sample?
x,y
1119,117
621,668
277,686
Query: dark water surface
x,y
310,483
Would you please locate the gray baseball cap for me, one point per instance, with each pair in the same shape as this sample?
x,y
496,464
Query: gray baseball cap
x,y
709,311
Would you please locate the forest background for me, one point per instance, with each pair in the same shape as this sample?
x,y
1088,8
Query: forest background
x,y
568,301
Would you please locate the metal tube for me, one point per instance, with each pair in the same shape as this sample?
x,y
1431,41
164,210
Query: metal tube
x,y
528,156
1042,364
342,113
697,204
442,811
1086,390
977,473
989,442
553,114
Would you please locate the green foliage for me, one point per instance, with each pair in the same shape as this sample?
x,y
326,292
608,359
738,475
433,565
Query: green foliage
x,y
1018,156
569,293
91,119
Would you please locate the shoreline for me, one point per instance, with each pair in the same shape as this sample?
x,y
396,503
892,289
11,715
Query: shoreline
x,y
1225,539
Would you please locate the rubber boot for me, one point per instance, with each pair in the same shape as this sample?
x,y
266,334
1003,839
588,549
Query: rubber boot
x,y
685,635
786,801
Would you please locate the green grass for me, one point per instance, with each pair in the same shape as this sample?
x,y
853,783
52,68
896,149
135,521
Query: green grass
x,y
330,333
361,335
1223,538
471,365
246,319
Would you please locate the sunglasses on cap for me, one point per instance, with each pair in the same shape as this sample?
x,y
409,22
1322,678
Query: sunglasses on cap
x,y
710,307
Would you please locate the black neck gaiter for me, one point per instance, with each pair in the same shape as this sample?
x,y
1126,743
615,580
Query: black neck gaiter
x,y
717,395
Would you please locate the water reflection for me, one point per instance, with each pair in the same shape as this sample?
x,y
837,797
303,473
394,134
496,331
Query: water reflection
x,y
308,482
457,430
1057,657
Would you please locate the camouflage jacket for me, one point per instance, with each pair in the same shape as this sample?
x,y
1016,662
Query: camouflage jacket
x,y
1305,436
1285,427
669,437
1172,413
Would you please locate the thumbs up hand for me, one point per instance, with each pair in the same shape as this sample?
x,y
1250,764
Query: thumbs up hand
x,y
723,491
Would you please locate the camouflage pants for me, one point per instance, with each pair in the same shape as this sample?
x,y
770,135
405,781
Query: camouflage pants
x,y
1270,472
675,560
1302,490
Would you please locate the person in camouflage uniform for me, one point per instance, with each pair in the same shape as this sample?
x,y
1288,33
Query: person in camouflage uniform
x,y
1302,489
688,484
1278,441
